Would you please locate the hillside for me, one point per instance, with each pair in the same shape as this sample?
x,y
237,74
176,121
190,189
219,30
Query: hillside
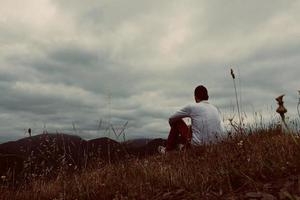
x,y
260,165
47,154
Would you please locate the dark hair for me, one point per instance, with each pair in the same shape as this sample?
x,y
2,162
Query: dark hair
x,y
201,92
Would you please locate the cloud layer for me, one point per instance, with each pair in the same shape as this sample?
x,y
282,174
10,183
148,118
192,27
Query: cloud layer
x,y
65,61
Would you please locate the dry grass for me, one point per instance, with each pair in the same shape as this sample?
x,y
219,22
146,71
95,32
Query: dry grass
x,y
225,170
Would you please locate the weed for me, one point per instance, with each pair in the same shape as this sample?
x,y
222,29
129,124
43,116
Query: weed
x,y
237,101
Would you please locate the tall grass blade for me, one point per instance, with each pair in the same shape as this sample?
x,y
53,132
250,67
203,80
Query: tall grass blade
x,y
237,100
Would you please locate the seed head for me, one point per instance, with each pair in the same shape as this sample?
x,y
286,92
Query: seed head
x,y
280,99
232,73
281,109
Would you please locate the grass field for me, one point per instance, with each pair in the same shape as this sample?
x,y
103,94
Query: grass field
x,y
264,164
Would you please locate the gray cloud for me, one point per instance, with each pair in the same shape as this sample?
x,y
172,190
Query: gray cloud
x,y
65,61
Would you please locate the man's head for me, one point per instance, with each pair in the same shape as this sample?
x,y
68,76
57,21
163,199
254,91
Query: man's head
x,y
200,93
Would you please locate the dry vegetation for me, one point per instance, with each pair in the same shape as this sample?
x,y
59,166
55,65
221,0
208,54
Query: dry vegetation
x,y
265,161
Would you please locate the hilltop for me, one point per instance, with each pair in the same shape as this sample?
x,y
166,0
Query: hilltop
x,y
47,154
262,164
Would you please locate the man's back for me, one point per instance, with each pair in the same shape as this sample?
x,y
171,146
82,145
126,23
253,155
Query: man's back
x,y
207,125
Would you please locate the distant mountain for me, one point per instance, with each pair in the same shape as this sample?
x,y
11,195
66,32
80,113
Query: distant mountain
x,y
47,154
137,143
43,143
106,149
44,154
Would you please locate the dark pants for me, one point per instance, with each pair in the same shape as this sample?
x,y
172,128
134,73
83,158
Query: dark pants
x,y
180,133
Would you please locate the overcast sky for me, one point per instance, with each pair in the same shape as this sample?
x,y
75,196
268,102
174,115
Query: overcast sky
x,y
64,61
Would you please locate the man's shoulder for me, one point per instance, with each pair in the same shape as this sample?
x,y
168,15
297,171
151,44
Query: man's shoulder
x,y
191,105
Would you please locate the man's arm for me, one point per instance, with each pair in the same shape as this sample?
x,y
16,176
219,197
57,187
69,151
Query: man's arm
x,y
182,113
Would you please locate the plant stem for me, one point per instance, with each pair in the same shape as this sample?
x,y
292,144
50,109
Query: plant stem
x,y
298,106
237,101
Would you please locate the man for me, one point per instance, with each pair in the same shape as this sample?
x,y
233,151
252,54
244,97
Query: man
x,y
206,127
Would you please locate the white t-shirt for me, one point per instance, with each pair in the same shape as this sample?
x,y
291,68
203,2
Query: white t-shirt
x,y
207,125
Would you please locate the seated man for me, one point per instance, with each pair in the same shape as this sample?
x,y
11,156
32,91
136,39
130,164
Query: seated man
x,y
206,125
